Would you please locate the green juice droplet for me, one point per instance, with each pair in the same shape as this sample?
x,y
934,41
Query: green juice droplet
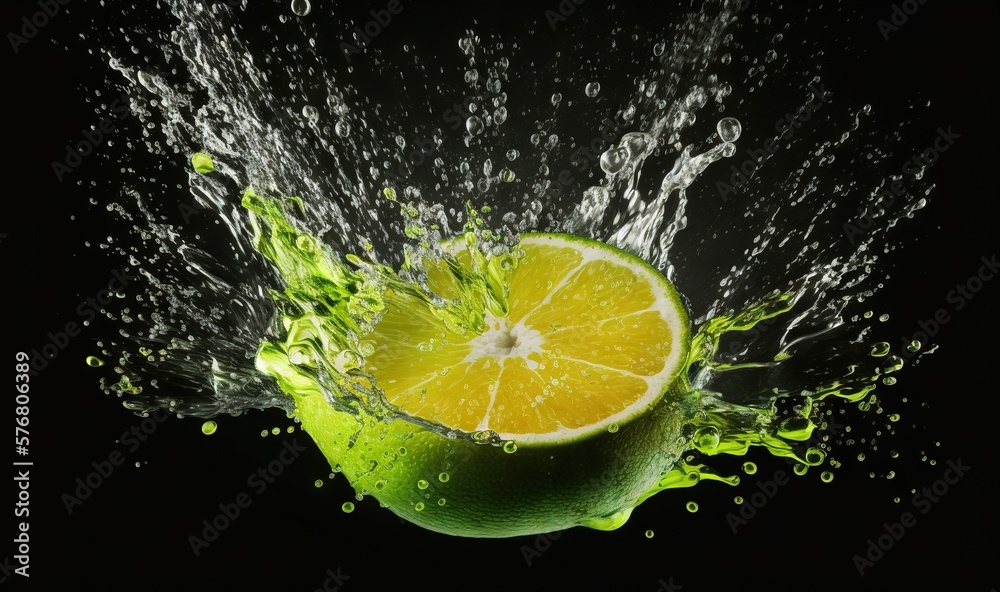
x,y
347,507
209,427
692,507
94,362
202,163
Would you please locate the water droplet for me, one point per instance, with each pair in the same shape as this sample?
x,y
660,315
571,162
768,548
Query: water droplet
x,y
658,48
512,154
729,129
510,447
913,346
475,125
613,428
443,477
305,243
275,431
692,507
506,175
423,484
441,501
706,439
94,361
310,113
556,99
826,476
301,7
593,89
749,468
318,483
800,469
209,427
814,456
471,76
419,506
738,499
348,507
649,534
343,129
614,160
880,349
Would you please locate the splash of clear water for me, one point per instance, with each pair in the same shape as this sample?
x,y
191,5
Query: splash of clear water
x,y
771,277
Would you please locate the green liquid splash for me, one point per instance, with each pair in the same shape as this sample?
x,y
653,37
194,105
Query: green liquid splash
x,y
328,306
316,347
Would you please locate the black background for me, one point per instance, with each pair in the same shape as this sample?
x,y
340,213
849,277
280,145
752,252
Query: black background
x,y
132,532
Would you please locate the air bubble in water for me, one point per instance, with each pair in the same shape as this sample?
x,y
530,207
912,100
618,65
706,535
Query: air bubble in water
x,y
592,89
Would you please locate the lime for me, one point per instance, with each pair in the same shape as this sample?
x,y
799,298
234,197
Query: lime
x,y
582,375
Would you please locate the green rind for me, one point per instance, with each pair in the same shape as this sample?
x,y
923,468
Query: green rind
x,y
492,493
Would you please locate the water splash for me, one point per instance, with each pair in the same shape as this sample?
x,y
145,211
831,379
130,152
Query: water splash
x,y
763,250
